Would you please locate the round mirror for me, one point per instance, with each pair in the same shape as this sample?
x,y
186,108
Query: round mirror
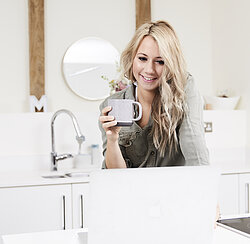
x,y
88,65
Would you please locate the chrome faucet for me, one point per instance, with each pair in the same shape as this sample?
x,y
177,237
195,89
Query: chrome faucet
x,y
79,137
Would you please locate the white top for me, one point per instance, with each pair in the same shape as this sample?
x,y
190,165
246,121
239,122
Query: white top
x,y
76,236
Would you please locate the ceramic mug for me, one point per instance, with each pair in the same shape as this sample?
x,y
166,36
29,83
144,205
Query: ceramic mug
x,y
124,112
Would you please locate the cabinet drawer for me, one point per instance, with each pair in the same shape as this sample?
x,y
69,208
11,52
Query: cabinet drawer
x,y
34,209
229,194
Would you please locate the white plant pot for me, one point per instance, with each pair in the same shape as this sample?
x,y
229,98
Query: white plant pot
x,y
222,103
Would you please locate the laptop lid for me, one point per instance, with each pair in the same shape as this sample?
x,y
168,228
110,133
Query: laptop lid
x,y
153,205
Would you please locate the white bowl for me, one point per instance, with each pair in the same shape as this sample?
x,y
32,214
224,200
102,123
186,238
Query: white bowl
x,y
222,103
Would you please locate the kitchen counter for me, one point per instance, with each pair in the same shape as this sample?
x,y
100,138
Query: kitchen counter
x,y
34,178
31,178
235,170
27,170
78,236
224,236
232,167
73,236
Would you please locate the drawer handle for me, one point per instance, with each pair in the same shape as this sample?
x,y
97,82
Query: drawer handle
x,y
63,213
247,198
81,211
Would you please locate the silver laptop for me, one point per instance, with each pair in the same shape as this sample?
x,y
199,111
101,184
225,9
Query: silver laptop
x,y
172,205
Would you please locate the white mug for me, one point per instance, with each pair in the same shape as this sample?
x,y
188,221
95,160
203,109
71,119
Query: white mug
x,y
123,111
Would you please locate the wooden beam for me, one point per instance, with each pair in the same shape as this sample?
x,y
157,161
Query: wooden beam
x,y
36,47
143,12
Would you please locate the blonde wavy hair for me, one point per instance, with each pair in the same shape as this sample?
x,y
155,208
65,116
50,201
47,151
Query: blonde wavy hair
x,y
168,106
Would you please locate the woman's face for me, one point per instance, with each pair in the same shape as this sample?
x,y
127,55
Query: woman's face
x,y
148,65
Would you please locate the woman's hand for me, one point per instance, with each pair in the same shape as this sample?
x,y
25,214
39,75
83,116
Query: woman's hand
x,y
113,157
108,124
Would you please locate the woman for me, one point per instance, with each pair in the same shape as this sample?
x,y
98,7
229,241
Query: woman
x,y
170,132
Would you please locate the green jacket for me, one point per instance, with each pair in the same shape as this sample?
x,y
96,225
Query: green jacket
x,y
136,143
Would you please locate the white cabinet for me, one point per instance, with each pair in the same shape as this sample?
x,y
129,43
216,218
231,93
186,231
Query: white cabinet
x,y
244,185
234,194
43,208
35,208
80,199
229,194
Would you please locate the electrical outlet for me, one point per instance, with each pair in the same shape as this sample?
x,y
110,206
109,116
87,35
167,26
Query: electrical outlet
x,y
208,127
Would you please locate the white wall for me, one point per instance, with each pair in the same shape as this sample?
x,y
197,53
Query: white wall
x,y
231,49
26,139
14,58
226,141
231,46
192,22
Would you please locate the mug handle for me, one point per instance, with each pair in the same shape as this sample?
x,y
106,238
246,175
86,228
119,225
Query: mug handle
x,y
140,111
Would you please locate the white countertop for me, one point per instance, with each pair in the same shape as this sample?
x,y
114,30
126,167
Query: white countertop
x,y
233,167
34,178
221,236
49,237
31,178
224,236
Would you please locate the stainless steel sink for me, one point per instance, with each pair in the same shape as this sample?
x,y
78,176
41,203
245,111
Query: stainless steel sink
x,y
53,176
77,174
66,175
